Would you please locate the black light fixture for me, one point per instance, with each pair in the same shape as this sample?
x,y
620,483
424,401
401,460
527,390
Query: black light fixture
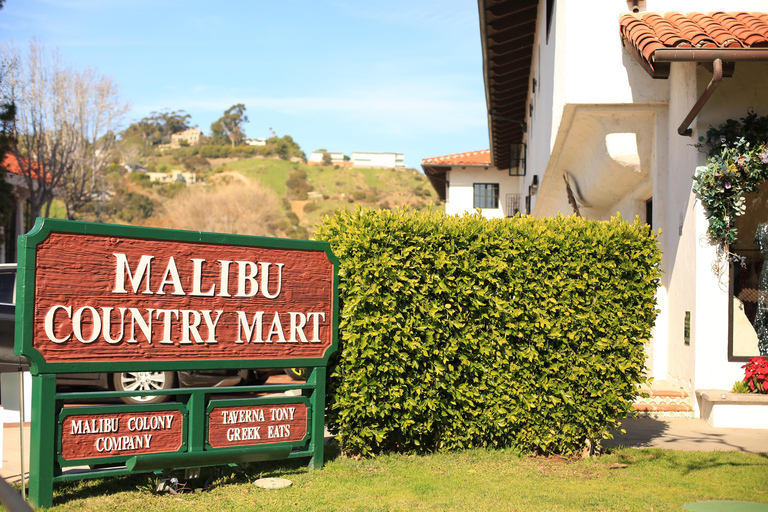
x,y
535,184
517,159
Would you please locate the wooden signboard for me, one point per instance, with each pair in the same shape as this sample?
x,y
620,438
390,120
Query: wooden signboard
x,y
104,298
253,422
101,298
96,433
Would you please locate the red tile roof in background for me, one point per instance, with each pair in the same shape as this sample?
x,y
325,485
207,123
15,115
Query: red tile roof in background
x,y
482,157
651,31
11,165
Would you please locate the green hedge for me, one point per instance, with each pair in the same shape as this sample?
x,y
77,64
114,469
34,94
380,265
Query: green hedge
x,y
459,332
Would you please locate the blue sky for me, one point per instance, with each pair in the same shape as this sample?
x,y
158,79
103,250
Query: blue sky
x,y
345,75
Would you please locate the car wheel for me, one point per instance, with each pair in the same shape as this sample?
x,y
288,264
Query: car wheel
x,y
297,373
143,381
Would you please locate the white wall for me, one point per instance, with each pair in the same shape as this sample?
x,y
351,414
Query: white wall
x,y
679,227
460,191
584,69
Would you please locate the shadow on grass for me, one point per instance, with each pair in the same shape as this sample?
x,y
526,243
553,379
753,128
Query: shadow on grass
x,y
712,461
217,476
684,463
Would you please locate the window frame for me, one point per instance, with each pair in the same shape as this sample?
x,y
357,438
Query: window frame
x,y
483,197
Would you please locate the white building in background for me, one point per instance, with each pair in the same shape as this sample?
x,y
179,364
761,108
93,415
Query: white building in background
x,y
468,181
378,160
256,142
173,176
193,136
316,157
598,100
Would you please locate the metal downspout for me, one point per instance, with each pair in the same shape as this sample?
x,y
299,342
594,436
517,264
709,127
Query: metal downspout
x,y
717,76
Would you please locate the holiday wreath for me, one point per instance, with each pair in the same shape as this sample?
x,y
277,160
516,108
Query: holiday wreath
x,y
737,163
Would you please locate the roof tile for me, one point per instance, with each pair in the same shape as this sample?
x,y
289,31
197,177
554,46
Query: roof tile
x,y
11,165
482,157
651,31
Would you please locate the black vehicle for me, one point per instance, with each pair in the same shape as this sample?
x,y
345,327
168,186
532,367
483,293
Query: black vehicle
x,y
125,381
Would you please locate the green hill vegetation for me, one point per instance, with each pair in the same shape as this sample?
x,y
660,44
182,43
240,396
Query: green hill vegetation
x,y
164,173
256,195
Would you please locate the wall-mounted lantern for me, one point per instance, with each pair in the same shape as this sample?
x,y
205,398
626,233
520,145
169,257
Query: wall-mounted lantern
x,y
517,159
535,185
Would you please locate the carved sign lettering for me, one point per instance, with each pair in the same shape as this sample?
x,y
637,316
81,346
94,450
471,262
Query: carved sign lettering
x,y
90,436
104,298
258,424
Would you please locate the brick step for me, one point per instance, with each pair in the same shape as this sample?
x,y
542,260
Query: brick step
x,y
662,407
664,403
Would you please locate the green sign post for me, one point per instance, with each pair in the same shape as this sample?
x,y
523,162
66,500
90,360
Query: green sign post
x,y
105,298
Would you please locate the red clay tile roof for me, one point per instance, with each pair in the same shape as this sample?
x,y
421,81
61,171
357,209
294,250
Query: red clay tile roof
x,y
436,167
11,165
482,157
650,31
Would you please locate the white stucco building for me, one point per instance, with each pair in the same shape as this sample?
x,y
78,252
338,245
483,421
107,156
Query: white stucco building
x,y
600,100
468,181
316,157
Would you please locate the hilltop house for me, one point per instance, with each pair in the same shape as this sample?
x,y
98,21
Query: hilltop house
x,y
598,109
173,176
316,157
193,136
378,160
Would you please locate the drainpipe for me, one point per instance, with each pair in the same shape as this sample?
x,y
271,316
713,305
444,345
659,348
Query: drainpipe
x,y
716,57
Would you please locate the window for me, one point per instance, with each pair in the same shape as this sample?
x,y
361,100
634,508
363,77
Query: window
x,y
486,195
649,212
748,307
550,13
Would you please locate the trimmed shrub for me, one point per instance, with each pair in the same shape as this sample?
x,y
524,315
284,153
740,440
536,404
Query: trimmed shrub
x,y
459,332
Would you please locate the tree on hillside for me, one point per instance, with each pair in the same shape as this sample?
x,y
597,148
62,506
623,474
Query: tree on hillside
x,y
63,128
285,147
158,127
230,125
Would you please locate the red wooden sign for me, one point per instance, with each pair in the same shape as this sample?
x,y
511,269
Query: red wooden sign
x,y
107,298
258,424
91,436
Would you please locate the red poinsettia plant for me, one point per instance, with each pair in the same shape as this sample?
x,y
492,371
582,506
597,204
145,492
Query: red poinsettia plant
x,y
756,374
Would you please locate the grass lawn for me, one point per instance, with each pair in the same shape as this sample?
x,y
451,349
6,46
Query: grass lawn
x,y
476,480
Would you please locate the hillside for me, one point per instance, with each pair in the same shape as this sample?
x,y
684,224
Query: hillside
x,y
303,194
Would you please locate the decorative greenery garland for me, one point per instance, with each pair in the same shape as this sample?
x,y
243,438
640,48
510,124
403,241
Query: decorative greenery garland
x,y
737,163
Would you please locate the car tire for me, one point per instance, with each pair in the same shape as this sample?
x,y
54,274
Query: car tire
x,y
144,381
297,373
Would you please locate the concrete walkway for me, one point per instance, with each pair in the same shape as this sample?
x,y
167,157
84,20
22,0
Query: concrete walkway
x,y
688,434
11,469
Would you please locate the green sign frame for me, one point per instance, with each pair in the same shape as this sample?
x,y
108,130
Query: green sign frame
x,y
47,465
